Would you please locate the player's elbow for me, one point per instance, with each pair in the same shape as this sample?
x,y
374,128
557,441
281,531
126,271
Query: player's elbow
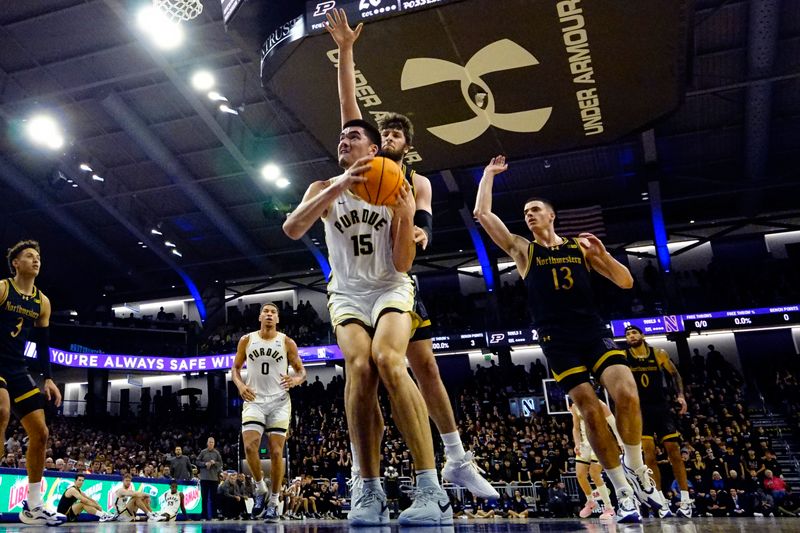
x,y
626,282
292,229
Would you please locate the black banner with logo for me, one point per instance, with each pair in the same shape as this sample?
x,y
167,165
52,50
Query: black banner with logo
x,y
482,77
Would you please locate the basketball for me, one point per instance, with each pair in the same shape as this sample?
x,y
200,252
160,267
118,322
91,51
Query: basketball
x,y
384,179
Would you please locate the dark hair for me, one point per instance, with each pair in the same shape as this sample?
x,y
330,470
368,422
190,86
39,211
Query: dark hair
x,y
127,475
15,250
396,121
271,304
79,476
545,201
372,132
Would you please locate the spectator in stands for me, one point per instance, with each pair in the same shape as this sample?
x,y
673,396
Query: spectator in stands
x,y
180,465
230,502
558,501
518,507
161,314
210,465
774,486
737,507
790,506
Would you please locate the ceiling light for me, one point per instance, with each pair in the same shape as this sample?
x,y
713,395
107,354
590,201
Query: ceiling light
x,y
85,167
163,32
74,184
144,246
173,286
169,244
44,131
203,80
271,172
176,252
282,183
216,97
95,177
154,231
225,108
691,222
140,242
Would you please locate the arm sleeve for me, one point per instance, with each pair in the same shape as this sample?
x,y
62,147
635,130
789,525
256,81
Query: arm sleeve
x,y
424,221
41,336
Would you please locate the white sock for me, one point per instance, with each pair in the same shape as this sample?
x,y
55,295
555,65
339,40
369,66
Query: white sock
x,y
595,495
603,490
427,478
453,449
35,495
356,468
633,456
617,477
262,485
273,500
685,496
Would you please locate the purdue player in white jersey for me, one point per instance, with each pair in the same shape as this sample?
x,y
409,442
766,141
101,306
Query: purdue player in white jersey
x,y
169,504
371,299
587,465
267,406
128,501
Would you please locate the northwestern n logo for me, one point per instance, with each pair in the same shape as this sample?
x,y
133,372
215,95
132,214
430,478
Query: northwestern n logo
x,y
500,55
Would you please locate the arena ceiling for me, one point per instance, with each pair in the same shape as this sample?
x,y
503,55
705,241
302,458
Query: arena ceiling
x,y
727,159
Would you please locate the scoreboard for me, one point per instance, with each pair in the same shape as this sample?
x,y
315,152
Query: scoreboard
x,y
743,318
363,10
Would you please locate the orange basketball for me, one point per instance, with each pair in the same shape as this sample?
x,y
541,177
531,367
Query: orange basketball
x,y
384,179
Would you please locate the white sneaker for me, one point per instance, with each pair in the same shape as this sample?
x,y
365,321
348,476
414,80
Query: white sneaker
x,y
39,516
356,486
431,507
466,473
370,509
157,517
685,510
106,517
627,512
643,486
664,512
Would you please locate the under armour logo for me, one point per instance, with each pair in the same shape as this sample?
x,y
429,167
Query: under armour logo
x,y
324,7
500,55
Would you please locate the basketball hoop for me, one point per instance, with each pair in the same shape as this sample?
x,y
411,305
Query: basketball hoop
x,y
179,10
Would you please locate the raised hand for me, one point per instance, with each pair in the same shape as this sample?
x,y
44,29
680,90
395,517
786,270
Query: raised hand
x,y
496,166
340,30
405,205
592,246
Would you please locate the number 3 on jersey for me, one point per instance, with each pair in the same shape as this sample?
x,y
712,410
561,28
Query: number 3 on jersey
x,y
18,328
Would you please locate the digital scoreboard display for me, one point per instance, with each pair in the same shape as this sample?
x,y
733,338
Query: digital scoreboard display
x,y
462,341
743,318
363,10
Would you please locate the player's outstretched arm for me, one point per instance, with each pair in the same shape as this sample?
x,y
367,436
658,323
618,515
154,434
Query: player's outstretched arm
x,y
515,246
666,363
318,198
603,262
345,37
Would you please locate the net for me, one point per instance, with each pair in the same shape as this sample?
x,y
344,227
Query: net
x,y
179,10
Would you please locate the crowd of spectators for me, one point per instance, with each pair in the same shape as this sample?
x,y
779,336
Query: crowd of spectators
x,y
731,466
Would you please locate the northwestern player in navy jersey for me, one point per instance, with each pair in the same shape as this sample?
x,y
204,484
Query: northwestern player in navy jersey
x,y
397,134
25,315
556,272
658,420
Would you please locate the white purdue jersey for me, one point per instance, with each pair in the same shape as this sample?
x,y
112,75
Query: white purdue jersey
x,y
171,503
266,362
359,239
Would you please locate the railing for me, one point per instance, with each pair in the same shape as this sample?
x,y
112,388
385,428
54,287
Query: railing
x,y
572,488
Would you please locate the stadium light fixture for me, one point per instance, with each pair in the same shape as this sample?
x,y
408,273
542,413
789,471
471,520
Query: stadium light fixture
x,y
95,177
169,244
44,131
154,231
85,167
203,80
282,183
164,33
271,172
176,252
216,97
225,108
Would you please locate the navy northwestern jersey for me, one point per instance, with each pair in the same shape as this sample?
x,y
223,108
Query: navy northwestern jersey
x,y
18,312
647,374
559,287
